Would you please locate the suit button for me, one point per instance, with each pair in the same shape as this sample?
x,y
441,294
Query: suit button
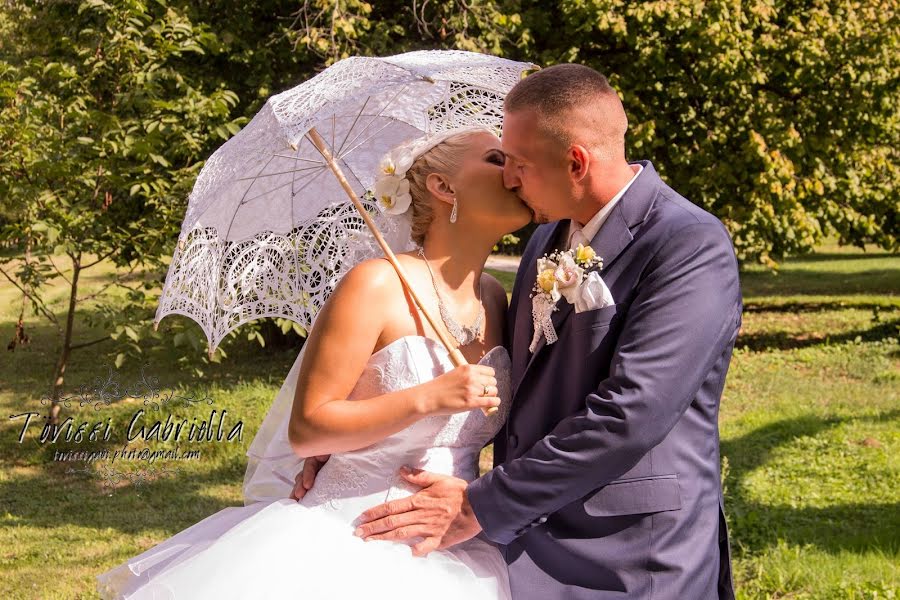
x,y
513,441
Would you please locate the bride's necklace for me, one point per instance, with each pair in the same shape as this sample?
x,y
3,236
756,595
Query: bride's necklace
x,y
464,334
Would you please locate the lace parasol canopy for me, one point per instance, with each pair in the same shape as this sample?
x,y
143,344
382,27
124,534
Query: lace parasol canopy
x,y
269,231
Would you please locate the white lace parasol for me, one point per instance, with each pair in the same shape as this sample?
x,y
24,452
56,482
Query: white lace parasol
x,y
269,230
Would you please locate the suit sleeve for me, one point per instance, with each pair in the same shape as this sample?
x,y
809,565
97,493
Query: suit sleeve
x,y
685,310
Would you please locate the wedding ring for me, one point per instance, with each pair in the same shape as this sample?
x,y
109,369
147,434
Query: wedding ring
x,y
485,392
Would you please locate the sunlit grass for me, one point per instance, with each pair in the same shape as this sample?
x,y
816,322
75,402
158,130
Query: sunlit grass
x,y
809,422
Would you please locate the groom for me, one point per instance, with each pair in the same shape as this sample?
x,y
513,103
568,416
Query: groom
x,y
606,480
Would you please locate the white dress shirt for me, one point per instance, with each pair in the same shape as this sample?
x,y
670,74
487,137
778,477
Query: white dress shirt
x,y
579,234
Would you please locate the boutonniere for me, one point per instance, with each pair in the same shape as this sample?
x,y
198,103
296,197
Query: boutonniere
x,y
562,274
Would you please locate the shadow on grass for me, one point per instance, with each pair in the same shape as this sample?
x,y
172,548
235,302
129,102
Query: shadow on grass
x,y
838,256
854,527
27,372
51,497
35,490
782,340
805,282
817,306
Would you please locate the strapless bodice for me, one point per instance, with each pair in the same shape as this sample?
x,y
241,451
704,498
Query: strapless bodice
x,y
351,482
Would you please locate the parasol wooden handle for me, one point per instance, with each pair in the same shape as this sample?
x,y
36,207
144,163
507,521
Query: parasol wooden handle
x,y
455,355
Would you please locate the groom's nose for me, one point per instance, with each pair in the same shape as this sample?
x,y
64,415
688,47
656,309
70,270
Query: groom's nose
x,y
511,179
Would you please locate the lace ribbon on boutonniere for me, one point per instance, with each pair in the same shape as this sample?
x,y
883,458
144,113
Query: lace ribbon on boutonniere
x,y
561,274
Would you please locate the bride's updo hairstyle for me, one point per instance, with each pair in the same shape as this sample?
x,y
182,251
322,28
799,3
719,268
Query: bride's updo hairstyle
x,y
446,159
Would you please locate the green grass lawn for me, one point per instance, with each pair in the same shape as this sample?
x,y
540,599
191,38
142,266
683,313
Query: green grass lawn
x,y
810,424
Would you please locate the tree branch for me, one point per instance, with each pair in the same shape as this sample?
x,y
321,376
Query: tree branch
x,y
91,343
101,259
117,280
58,272
97,293
34,300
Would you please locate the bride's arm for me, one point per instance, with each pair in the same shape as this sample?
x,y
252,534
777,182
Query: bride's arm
x,y
367,306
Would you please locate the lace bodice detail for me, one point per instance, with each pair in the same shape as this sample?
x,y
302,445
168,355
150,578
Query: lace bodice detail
x,y
448,444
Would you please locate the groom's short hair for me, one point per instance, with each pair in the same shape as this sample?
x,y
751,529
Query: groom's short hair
x,y
559,92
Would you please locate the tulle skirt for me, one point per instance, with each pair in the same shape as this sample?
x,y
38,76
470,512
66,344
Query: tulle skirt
x,y
284,549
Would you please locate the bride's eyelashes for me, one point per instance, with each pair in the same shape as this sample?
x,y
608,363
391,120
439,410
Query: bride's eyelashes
x,y
496,157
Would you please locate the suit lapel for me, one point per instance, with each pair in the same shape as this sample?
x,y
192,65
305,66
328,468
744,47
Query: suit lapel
x,y
612,238
524,323
631,210
609,242
549,244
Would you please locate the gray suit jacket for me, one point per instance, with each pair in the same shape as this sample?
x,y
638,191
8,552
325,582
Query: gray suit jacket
x,y
606,479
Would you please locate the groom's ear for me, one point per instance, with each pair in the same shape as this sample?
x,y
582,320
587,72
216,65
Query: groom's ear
x,y
440,187
579,160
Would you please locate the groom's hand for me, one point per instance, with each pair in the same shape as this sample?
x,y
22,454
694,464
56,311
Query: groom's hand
x,y
305,479
440,512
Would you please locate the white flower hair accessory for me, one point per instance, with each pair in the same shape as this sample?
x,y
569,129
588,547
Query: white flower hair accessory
x,y
391,188
392,194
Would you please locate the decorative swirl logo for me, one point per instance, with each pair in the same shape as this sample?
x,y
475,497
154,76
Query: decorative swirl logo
x,y
104,391
110,477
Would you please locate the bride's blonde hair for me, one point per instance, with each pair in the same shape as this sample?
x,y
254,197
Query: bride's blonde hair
x,y
446,159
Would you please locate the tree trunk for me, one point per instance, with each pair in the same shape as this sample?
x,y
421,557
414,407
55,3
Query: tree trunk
x,y
63,361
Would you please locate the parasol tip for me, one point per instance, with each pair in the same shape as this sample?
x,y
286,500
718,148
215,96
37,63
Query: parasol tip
x,y
155,325
293,146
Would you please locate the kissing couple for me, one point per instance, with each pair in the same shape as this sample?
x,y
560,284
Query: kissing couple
x,y
598,382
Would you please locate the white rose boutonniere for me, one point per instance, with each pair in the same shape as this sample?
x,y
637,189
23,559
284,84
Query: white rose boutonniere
x,y
562,274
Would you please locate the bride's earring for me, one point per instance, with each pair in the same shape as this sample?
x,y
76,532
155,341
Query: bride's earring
x,y
453,212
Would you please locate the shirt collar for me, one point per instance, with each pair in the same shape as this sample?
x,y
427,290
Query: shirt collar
x,y
590,229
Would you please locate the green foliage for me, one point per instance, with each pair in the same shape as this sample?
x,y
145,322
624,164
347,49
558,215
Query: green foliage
x,y
103,133
335,30
779,117
103,130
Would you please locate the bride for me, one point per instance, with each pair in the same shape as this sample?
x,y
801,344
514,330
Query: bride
x,y
377,392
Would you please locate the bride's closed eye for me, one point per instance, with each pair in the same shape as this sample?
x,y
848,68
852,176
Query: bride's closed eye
x,y
496,157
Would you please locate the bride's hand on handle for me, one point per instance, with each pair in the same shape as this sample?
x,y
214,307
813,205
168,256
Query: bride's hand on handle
x,y
464,388
305,479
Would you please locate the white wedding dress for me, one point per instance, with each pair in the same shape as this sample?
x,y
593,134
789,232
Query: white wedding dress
x,y
284,549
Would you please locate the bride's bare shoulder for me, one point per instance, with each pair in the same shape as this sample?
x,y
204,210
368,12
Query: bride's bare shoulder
x,y
372,295
374,276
